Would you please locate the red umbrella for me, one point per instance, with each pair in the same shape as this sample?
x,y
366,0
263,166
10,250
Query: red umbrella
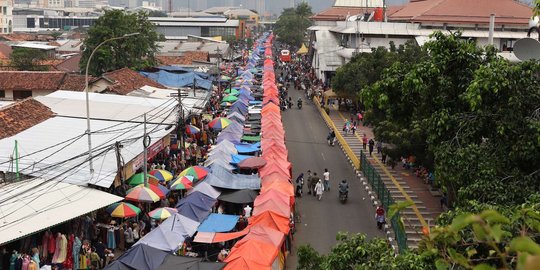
x,y
252,163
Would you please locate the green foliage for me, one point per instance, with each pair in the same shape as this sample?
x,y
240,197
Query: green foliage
x,y
537,7
357,252
292,24
27,59
365,69
135,52
469,115
487,240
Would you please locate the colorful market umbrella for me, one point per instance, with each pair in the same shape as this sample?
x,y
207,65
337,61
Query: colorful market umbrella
x,y
123,210
162,188
182,182
142,194
219,123
198,172
162,213
191,130
154,187
138,179
230,98
161,175
225,104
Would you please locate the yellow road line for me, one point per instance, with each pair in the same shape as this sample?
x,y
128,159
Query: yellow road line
x,y
396,183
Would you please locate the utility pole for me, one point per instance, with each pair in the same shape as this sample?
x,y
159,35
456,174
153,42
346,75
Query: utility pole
x,y
218,51
146,143
181,125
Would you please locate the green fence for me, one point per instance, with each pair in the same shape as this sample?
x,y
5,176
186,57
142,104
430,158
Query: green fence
x,y
378,186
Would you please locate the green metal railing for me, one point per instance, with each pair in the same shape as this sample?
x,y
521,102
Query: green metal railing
x,y
378,186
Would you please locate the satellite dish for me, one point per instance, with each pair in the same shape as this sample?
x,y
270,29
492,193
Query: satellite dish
x,y
527,49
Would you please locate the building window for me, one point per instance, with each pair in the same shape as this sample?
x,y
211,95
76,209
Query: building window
x,y
4,10
21,94
2,93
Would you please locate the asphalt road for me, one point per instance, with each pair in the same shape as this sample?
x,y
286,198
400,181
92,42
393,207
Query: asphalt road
x,y
320,221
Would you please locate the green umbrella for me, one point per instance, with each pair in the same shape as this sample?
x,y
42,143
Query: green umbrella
x,y
232,91
138,179
229,98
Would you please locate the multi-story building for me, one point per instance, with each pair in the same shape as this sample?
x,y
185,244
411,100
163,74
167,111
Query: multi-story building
x,y
353,26
6,16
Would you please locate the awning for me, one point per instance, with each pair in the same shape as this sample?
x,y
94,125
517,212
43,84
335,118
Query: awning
x,y
173,262
222,178
170,234
30,206
211,237
218,223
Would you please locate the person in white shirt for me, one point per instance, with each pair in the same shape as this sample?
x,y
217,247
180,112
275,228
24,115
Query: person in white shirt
x,y
247,211
326,176
319,190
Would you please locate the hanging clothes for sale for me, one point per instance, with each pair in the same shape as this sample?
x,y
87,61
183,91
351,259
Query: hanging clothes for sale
x,y
45,243
68,262
63,249
111,241
77,244
57,244
51,245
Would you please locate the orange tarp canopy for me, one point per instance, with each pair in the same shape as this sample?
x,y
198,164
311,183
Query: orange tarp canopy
x,y
240,263
213,237
284,187
260,251
263,234
270,168
279,208
270,107
273,194
275,177
272,220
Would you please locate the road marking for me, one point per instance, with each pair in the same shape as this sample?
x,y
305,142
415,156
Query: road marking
x,y
323,156
396,183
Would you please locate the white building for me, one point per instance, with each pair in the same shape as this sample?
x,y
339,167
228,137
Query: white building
x,y
354,26
6,16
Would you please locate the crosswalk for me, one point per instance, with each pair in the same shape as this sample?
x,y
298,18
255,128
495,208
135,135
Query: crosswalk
x,y
415,217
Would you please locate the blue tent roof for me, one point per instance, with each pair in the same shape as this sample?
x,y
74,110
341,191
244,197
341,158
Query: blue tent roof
x,y
178,79
143,257
237,158
248,148
178,69
218,223
222,178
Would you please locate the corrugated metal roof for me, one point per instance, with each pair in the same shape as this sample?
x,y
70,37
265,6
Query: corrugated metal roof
x,y
65,146
33,205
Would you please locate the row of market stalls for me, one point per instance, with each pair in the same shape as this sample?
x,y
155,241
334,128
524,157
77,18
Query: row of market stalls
x,y
248,165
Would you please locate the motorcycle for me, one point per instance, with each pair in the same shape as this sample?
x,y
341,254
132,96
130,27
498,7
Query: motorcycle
x,y
331,141
343,196
299,105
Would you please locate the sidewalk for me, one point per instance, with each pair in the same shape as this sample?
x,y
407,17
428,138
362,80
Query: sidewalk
x,y
401,183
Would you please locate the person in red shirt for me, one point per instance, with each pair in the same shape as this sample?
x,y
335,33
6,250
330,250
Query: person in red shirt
x,y
379,216
364,141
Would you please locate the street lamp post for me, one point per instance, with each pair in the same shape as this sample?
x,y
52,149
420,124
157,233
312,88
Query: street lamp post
x,y
87,99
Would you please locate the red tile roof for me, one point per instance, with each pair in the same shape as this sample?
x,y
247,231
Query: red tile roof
x,y
70,65
508,12
30,80
126,80
22,115
5,50
74,82
186,59
341,13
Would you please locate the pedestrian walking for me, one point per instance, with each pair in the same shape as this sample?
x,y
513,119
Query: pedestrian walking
x,y
299,185
326,176
309,179
379,147
383,157
319,188
379,216
314,180
371,145
364,141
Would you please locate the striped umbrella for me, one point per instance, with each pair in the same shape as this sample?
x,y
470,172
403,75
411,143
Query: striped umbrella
x,y
161,192
182,182
219,123
123,210
142,194
138,179
162,213
192,130
161,175
197,172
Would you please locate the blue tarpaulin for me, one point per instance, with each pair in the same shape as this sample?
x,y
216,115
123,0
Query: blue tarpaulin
x,y
237,158
177,69
248,147
218,223
223,178
177,80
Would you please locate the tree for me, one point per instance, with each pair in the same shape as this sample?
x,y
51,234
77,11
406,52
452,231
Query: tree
x,y
134,52
293,23
466,114
365,69
27,59
486,240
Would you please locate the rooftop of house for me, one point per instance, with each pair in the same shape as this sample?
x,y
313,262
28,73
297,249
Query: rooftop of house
x,y
186,59
40,80
125,80
19,116
341,13
508,12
